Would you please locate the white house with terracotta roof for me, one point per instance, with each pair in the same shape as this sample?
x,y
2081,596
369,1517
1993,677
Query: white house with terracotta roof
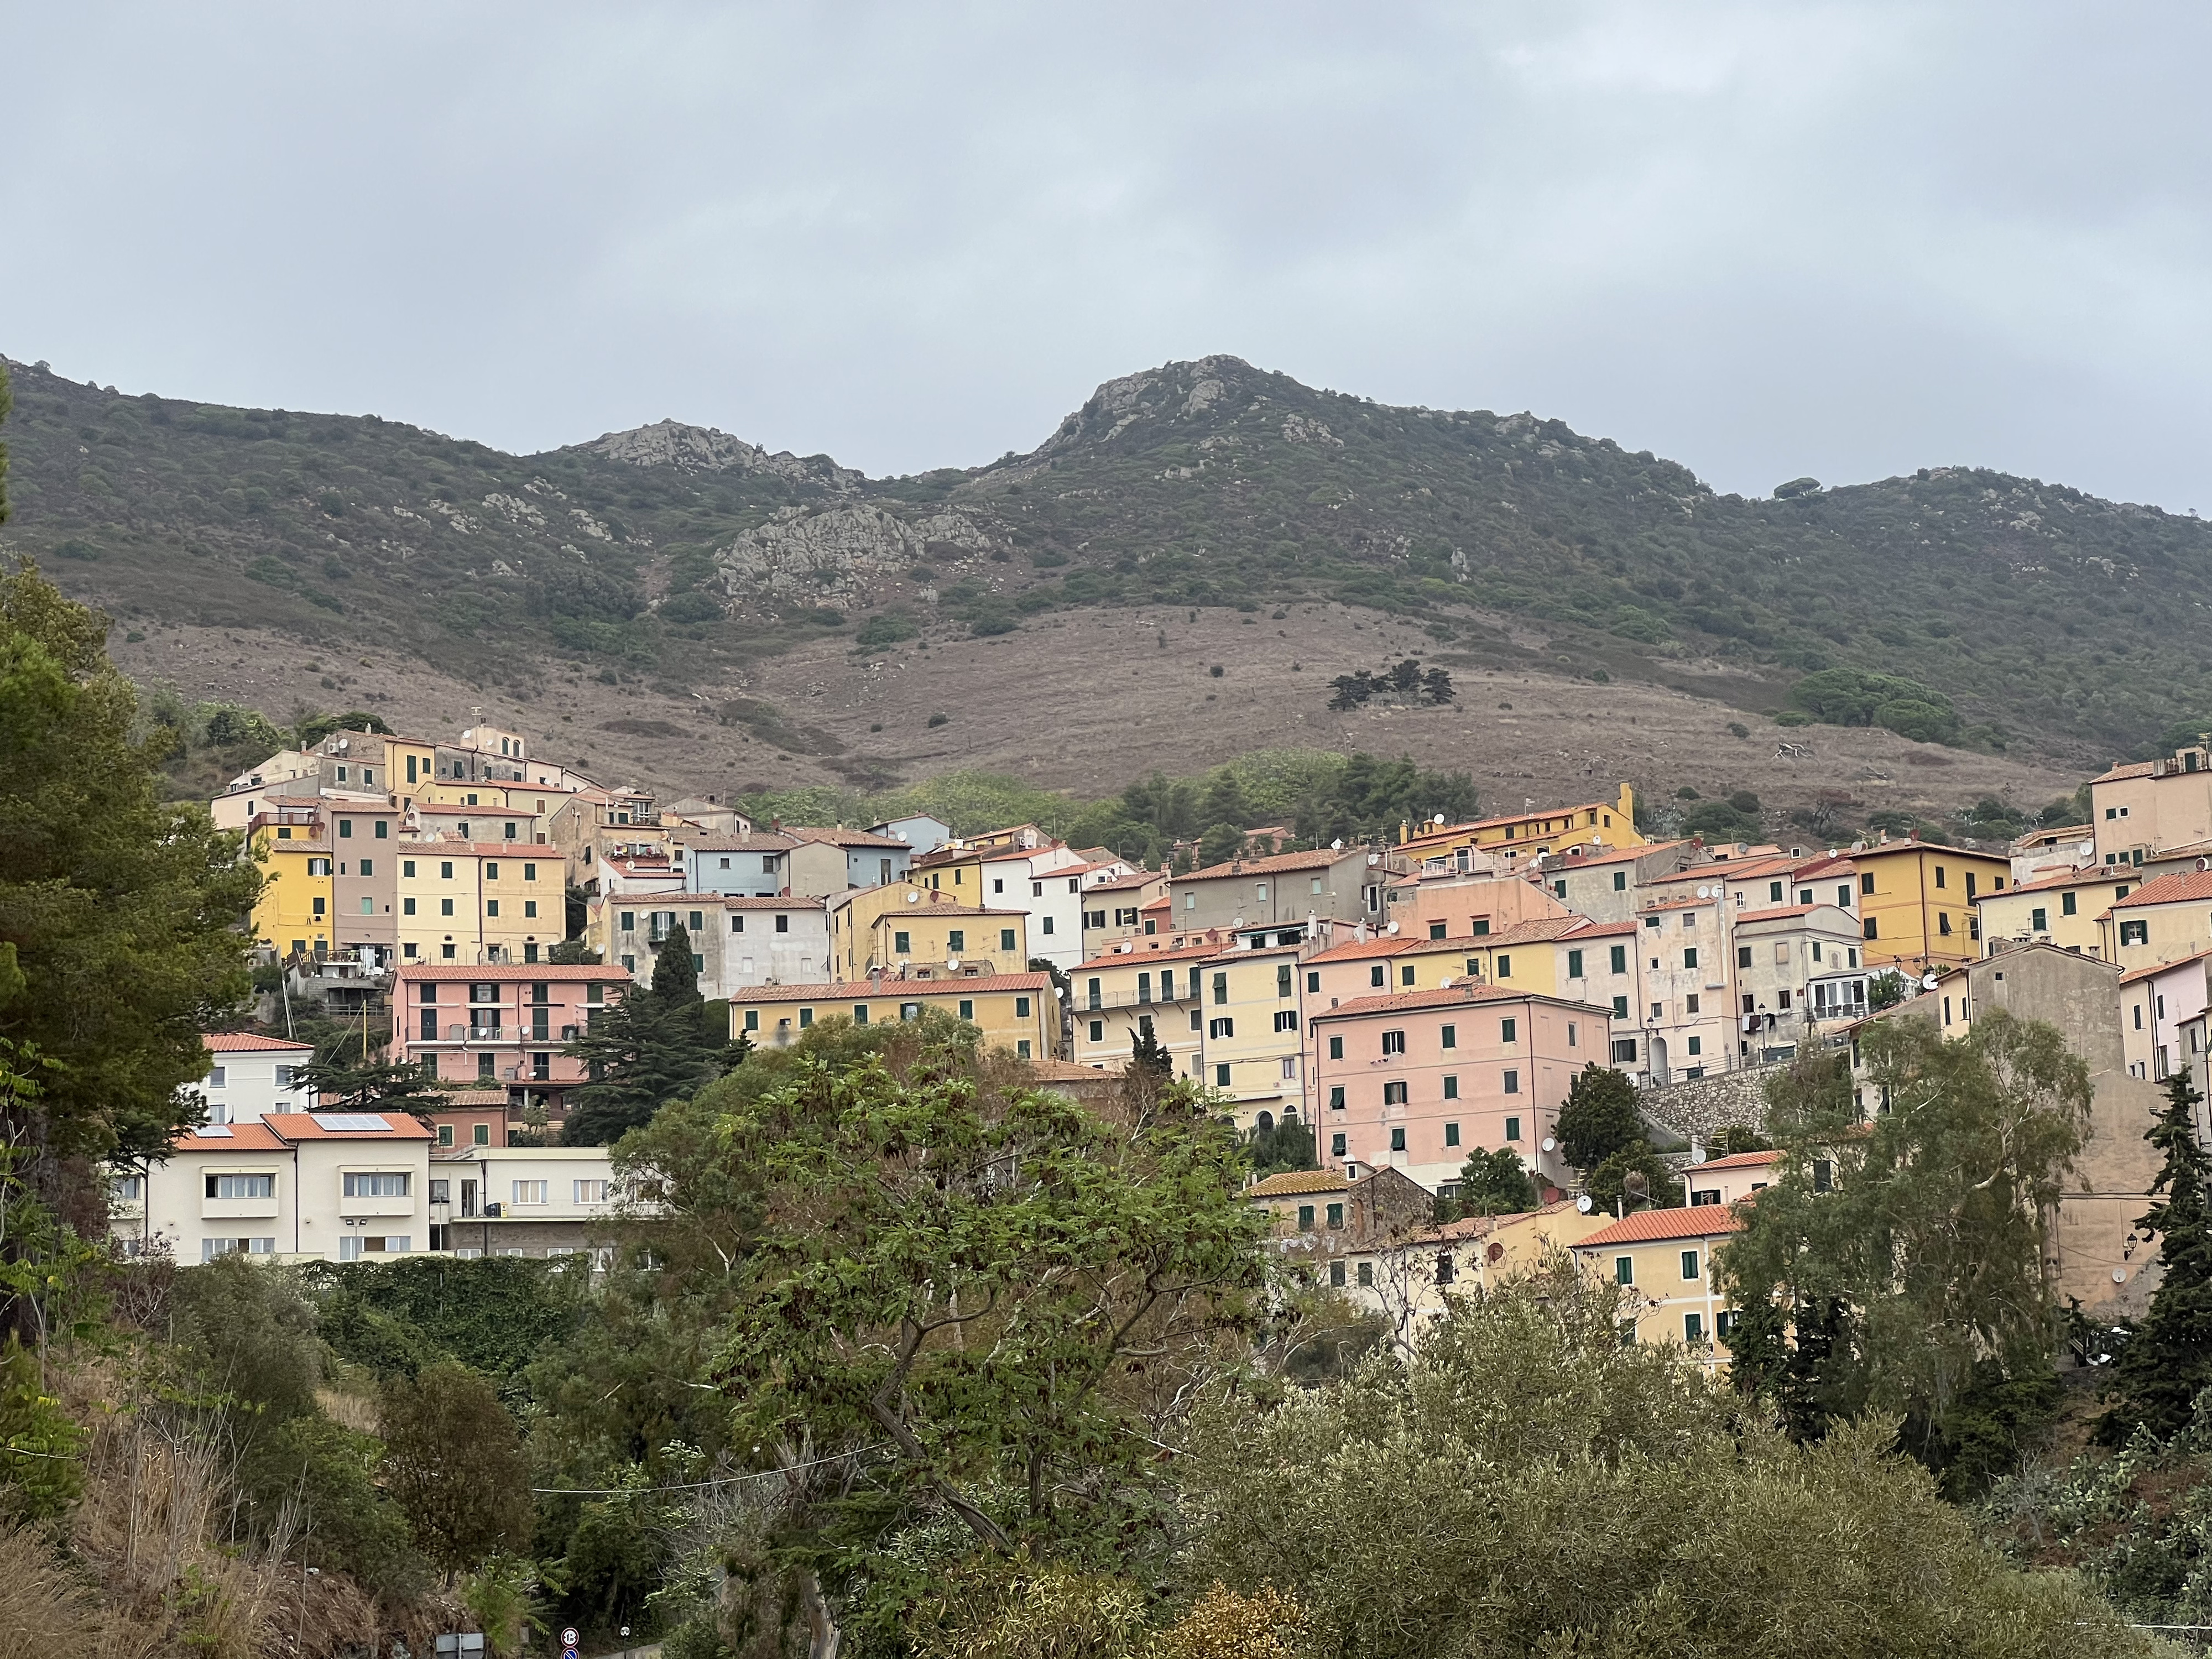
x,y
249,1076
329,1186
1725,1180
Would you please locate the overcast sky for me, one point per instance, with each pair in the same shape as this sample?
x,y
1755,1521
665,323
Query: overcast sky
x,y
1765,240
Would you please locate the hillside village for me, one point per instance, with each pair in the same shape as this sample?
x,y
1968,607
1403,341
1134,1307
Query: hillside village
x,y
1397,1013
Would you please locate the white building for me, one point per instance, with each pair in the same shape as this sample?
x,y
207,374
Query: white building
x,y
335,1187
740,942
250,1077
519,1201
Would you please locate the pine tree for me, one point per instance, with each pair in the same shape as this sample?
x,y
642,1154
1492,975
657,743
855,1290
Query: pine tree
x,y
2168,1360
652,1047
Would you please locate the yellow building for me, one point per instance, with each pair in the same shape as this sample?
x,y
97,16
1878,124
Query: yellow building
x,y
1120,993
478,903
2167,920
906,924
1015,1011
2059,907
411,765
1532,956
1662,1260
1917,903
1250,1044
1553,829
294,912
955,870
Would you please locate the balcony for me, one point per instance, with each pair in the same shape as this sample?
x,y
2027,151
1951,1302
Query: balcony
x,y
232,1209
1109,999
483,1034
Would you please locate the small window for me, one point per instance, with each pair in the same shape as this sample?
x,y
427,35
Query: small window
x,y
1376,977
1624,1270
1513,1078
1305,1217
1690,956
1335,1213
1690,1264
1336,1047
1393,1094
1367,1273
1508,1030
1513,1129
1618,959
1693,1327
1449,1037
1394,1043
1574,965
1313,983
1398,1139
1451,1135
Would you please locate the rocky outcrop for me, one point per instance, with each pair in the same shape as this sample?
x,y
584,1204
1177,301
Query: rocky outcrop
x,y
840,555
703,449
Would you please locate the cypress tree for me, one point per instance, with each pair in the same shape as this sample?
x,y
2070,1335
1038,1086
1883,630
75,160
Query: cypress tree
x,y
2169,1359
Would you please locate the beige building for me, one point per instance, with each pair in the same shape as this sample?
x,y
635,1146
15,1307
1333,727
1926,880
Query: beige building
x,y
1014,1011
1250,1043
1125,992
2137,811
1285,892
519,1201
1662,1260
2160,920
907,929
2058,907
327,1185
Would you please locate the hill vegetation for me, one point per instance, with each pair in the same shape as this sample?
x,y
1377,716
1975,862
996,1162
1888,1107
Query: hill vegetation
x,y
1979,608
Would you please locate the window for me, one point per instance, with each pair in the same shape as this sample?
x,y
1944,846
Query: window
x,y
1393,1094
528,1191
1870,931
1313,983
1336,1145
2135,933
1574,965
445,1139
1221,1077
1336,1103
1376,976
1305,1217
345,825
1394,1043
1223,1027
1336,1275
215,1076
1693,1327
1005,939
480,1134
1287,1020
1508,1030
1866,882
2066,904
446,870
1624,1270
1098,1030
1513,1082
1336,1047
380,829
1623,1049
1505,967
1689,1264
1366,1275
1743,956
1690,956
491,907
376,1186
1513,1129
1942,923
1619,959
368,868
212,1248
1335,1213
1697,1045
1774,892
1450,1037
1823,1176
242,1186
1939,881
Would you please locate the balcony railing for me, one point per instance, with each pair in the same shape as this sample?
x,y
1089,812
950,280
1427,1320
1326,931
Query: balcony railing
x,y
1087,1003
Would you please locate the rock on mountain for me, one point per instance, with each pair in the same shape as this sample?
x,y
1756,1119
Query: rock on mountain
x,y
704,449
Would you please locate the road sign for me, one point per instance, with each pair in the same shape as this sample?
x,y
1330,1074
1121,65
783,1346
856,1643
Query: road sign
x,y
568,1635
568,1653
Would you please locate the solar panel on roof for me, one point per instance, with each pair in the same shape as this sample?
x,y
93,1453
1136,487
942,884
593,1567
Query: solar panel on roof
x,y
352,1122
219,1130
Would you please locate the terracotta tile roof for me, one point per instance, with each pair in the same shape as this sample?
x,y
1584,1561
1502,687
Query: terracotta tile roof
x,y
319,1126
2181,886
1143,958
1360,950
460,1099
248,1042
892,990
1275,864
1068,1071
1460,993
1735,1161
1295,1183
2139,769
1142,878
1481,1226
835,837
1650,1226
507,973
1603,929
1828,865
320,845
1536,816
1781,912
242,1137
2088,875
1575,858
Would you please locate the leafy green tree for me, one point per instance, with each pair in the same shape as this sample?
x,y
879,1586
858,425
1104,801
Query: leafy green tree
x,y
1219,844
1287,1144
1610,1186
1001,1294
1599,1117
2167,1361
654,1046
373,1086
1670,1526
1495,1182
453,1462
1923,1231
118,942
248,1334
1225,800
1887,989
1149,1058
312,730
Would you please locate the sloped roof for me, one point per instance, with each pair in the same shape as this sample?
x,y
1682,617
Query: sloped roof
x,y
1735,1161
507,973
837,837
1360,950
241,1137
2181,886
327,1126
246,1042
1651,1226
1297,1183
889,989
1275,864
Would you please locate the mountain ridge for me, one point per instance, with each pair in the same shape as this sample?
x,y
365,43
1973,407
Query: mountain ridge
x,y
674,553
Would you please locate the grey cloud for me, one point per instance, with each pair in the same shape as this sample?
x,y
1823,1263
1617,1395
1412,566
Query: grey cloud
x,y
1845,239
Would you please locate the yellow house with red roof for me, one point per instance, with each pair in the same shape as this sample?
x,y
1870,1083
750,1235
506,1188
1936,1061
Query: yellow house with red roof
x,y
1916,903
1662,1262
2059,907
922,932
1014,1011
2162,920
1120,992
1517,835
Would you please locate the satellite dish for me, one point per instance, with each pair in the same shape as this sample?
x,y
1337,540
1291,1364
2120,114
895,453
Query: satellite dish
x,y
1440,817
952,961
1550,1144
1929,983
1583,1204
1337,846
1705,892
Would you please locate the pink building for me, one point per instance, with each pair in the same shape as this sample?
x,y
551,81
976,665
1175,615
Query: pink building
x,y
1417,1080
501,1027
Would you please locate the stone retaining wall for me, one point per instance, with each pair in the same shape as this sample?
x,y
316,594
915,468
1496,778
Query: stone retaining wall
x,y
1700,1108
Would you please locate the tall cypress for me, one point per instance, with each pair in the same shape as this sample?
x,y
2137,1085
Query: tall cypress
x,y
2169,1359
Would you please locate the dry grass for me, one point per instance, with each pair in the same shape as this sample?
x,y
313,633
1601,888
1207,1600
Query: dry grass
x,y
148,1569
